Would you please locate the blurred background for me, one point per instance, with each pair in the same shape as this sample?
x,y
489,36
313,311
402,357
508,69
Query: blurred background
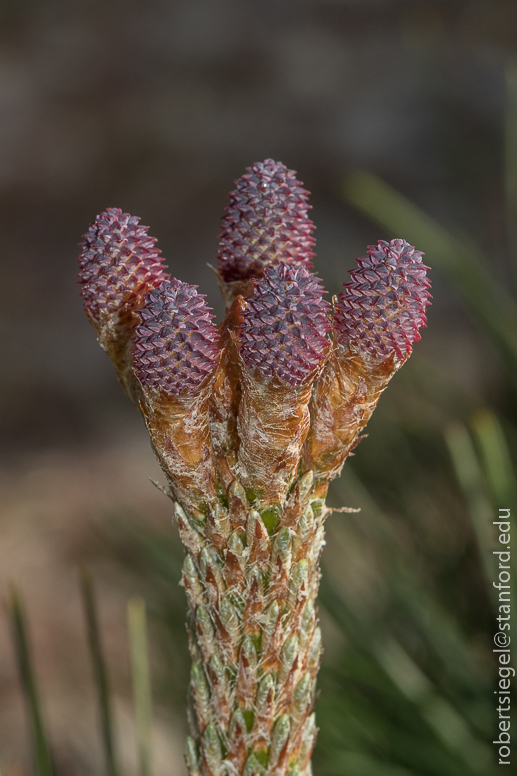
x,y
400,116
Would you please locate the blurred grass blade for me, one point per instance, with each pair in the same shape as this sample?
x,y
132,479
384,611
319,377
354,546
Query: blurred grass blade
x,y
21,644
441,715
99,669
496,458
470,478
461,261
441,631
361,764
498,466
429,703
511,156
141,680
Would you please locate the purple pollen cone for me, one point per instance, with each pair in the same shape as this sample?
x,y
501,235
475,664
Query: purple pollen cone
x,y
118,264
384,304
266,222
284,325
175,343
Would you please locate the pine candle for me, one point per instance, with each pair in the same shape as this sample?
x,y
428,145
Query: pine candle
x,y
250,422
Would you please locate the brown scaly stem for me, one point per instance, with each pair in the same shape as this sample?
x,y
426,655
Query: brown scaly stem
x,y
250,424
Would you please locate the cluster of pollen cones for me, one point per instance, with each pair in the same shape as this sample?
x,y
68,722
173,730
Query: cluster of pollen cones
x,y
250,421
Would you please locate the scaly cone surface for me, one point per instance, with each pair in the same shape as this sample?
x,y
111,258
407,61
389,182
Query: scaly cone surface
x,y
383,307
282,344
376,321
249,430
175,342
119,264
175,357
285,323
265,223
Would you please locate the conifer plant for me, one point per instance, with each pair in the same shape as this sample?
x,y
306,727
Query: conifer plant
x,y
250,421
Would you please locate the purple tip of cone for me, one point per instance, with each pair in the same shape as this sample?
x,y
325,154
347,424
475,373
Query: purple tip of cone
x,y
384,304
265,223
118,263
175,343
285,324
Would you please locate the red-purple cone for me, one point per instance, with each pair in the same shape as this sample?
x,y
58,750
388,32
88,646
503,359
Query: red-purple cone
x,y
265,223
384,304
284,325
119,263
175,343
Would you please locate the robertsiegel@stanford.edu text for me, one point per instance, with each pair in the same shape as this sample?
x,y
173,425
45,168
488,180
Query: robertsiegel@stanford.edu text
x,y
502,638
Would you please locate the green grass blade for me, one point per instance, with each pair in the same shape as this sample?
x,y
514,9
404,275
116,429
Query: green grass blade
x,y
460,261
99,669
361,764
511,156
141,681
21,644
441,632
441,715
498,466
471,480
438,717
495,455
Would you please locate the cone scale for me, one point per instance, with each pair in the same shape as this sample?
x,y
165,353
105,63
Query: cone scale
x,y
250,422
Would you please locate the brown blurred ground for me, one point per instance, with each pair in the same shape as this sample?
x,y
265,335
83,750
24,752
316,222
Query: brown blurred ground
x,y
53,504
156,107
